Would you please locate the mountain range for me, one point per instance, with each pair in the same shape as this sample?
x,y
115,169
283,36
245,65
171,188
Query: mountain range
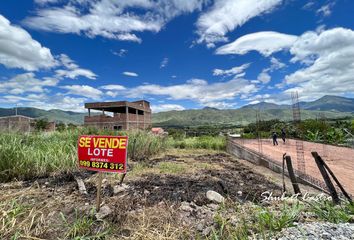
x,y
327,107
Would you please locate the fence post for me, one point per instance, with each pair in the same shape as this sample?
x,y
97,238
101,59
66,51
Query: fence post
x,y
283,175
329,184
292,175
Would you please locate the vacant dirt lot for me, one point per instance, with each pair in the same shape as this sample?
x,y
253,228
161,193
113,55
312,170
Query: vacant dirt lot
x,y
163,198
339,159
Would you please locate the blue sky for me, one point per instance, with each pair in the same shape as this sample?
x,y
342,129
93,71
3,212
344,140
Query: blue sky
x,y
177,54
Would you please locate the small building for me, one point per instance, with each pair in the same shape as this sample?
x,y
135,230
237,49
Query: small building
x,y
17,123
124,115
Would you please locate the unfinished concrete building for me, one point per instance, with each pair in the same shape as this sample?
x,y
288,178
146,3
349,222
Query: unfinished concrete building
x,y
123,115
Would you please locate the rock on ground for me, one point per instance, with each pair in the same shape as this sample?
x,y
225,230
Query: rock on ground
x,y
314,231
104,212
214,196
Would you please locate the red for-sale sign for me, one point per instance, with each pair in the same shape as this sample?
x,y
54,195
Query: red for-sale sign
x,y
103,153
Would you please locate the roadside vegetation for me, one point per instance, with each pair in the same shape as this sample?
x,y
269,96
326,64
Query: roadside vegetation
x,y
25,156
336,132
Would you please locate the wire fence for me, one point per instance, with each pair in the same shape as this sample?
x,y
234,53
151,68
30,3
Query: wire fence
x,y
339,159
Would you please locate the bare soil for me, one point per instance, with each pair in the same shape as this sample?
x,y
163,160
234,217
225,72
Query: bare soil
x,y
51,207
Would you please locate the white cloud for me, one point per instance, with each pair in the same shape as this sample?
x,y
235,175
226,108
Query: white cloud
x,y
121,52
264,77
167,107
112,90
326,10
113,87
265,43
72,71
197,90
233,71
19,50
26,82
110,18
276,64
329,59
226,15
130,74
220,105
43,2
83,90
164,62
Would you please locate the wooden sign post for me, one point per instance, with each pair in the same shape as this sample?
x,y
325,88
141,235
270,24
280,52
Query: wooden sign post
x,y
103,154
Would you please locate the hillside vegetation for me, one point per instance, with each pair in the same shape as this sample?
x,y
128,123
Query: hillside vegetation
x,y
328,106
235,117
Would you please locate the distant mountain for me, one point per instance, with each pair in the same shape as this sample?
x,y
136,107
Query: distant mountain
x,y
330,103
328,106
326,103
265,106
240,116
52,115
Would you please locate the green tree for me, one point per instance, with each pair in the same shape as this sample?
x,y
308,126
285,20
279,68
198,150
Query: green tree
x,y
41,124
60,126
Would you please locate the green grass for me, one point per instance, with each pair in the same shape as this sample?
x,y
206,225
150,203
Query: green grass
x,y
330,212
171,168
24,156
83,227
203,142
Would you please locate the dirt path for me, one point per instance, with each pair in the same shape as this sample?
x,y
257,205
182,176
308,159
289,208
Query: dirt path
x,y
339,159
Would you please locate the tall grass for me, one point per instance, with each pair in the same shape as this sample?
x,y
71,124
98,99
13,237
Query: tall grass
x,y
24,156
203,142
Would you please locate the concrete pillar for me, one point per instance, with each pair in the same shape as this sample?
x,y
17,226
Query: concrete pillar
x,y
127,116
144,120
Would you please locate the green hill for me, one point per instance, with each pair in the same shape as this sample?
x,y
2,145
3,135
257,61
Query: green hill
x,y
327,106
52,115
234,116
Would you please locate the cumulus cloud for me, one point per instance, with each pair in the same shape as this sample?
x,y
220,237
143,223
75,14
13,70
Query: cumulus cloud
x,y
19,50
113,87
329,64
264,77
72,70
167,107
233,71
26,82
130,74
265,43
197,90
83,90
110,18
51,102
226,15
